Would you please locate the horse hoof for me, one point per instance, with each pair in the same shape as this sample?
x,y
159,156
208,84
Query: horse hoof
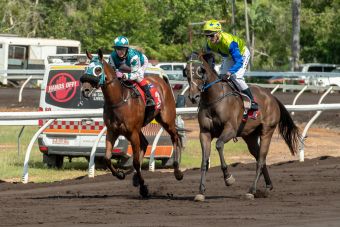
x,y
120,175
229,180
199,198
135,180
143,191
249,196
178,175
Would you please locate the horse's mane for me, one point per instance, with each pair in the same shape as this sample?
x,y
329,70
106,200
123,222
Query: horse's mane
x,y
106,65
208,60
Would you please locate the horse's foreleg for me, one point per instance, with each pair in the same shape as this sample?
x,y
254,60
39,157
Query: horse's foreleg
x,y
138,178
110,139
205,139
225,136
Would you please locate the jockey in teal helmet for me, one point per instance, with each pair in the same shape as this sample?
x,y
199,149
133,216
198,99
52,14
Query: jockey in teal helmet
x,y
130,64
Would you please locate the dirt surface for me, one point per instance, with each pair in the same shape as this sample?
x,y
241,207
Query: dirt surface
x,y
304,194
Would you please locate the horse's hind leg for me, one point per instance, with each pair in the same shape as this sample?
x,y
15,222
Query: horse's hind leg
x,y
225,136
170,127
254,149
135,144
110,139
261,168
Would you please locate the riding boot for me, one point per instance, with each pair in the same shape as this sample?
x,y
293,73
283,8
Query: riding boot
x,y
253,105
149,99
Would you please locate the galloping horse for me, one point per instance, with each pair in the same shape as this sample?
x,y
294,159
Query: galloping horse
x,y
124,114
220,116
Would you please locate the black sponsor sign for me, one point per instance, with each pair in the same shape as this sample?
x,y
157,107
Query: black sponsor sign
x,y
63,89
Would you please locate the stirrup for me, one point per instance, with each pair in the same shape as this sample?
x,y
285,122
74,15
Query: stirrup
x,y
253,114
254,106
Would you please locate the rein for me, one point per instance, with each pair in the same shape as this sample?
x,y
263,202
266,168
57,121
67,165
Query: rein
x,y
206,86
103,84
219,99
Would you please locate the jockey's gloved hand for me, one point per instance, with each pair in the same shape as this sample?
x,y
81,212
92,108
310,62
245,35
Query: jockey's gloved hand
x,y
227,76
121,75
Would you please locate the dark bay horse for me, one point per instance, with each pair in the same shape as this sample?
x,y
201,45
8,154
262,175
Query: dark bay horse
x,y
220,116
124,114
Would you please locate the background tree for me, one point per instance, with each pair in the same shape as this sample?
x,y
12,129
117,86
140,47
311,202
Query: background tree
x,y
296,34
160,27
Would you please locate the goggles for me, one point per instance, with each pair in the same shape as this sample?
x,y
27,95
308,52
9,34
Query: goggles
x,y
120,48
211,35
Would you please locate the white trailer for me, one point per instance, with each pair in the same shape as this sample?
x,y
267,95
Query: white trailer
x,y
21,57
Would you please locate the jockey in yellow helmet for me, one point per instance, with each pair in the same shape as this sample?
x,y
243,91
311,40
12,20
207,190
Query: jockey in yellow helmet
x,y
235,56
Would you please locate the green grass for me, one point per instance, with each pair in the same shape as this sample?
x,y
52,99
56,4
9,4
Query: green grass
x,y
11,163
192,155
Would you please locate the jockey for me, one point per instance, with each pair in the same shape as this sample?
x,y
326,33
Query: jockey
x,y
235,56
130,64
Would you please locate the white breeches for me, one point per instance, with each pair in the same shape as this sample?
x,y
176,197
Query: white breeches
x,y
227,63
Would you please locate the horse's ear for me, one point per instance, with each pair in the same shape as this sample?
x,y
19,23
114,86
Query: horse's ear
x,y
88,55
184,73
100,54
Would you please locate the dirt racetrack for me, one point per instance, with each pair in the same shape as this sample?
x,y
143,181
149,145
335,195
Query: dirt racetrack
x,y
304,194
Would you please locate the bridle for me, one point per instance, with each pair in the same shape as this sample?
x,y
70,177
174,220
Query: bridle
x,y
95,72
204,86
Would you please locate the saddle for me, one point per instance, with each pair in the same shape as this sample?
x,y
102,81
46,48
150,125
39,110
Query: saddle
x,y
137,91
248,112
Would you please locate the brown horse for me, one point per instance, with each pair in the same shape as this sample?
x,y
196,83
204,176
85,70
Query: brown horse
x,y
124,114
220,115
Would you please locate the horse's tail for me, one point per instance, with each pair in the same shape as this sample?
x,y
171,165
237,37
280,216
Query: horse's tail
x,y
288,130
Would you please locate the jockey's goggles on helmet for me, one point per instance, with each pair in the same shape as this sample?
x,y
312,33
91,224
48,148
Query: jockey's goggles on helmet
x,y
210,35
120,48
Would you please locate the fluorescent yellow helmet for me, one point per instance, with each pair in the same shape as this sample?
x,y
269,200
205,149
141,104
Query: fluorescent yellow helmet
x,y
212,26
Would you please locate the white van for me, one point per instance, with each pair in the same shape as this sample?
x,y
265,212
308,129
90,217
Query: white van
x,y
174,70
60,90
21,53
316,67
329,76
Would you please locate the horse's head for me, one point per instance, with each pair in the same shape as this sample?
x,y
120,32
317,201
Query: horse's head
x,y
196,75
93,74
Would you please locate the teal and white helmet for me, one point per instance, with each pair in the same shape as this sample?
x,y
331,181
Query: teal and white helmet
x,y
121,41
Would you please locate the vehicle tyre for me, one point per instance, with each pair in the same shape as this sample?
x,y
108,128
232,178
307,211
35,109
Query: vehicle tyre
x,y
53,161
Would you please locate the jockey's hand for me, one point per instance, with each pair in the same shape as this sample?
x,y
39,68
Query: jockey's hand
x,y
226,76
121,75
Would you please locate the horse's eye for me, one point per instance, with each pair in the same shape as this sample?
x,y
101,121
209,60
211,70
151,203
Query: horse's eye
x,y
200,71
97,71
